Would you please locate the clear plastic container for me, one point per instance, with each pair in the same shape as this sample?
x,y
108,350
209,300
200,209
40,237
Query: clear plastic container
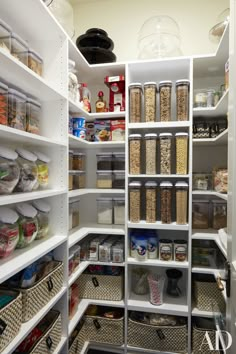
x,y
150,101
135,102
9,170
76,252
119,211
33,115
210,97
79,161
3,103
70,159
28,171
42,169
118,180
70,180
165,88
28,224
5,36
135,154
104,161
166,202
182,99
151,153
104,179
75,206
181,202
200,98
79,179
16,109
135,201
181,153
70,215
151,201
165,153
200,214
104,210
43,210
35,62
19,48
119,161
9,231
219,217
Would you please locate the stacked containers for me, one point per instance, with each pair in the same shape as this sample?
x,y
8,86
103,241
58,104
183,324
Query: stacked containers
x,y
35,62
182,99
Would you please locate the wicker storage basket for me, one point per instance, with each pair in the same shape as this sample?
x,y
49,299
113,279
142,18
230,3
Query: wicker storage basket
x,y
207,296
158,338
10,318
36,297
78,343
101,287
198,335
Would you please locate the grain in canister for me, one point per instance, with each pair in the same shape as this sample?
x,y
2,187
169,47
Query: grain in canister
x,y
135,201
165,153
151,201
150,94
166,202
181,153
135,99
182,99
151,153
181,202
165,88
135,154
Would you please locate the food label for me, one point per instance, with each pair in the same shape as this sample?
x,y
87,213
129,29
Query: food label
x,y
43,174
118,130
180,253
165,252
142,250
8,240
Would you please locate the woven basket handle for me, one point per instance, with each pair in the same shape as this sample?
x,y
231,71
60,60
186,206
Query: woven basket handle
x,y
96,324
3,326
95,282
50,284
49,342
160,334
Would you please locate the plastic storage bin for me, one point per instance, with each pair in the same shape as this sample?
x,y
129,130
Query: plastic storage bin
x,y
182,99
151,153
3,103
135,154
119,161
79,161
104,179
150,95
165,153
151,201
181,202
5,36
135,201
75,207
19,48
28,171
219,214
42,163
118,180
16,109
79,179
200,214
104,211
166,202
9,231
9,170
28,224
135,102
181,153
43,210
165,88
104,161
33,114
35,62
119,211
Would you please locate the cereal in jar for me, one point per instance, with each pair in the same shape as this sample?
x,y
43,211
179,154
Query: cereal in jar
x,y
166,202
135,102
151,201
135,201
9,231
165,88
150,93
181,153
182,99
165,153
135,154
151,151
181,202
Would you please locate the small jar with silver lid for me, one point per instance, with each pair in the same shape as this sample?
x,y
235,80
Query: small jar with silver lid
x,y
150,95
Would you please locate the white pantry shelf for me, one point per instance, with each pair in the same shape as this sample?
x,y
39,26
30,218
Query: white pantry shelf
x,y
158,263
211,194
28,326
210,235
78,143
83,191
158,225
159,125
220,109
221,139
158,176
207,314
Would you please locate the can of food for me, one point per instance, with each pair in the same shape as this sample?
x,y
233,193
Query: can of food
x,y
80,133
165,250
78,122
180,250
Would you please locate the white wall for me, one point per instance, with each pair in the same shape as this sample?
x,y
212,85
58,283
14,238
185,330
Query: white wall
x,y
122,19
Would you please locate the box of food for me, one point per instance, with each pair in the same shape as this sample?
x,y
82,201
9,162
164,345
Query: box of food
x,y
90,131
118,130
102,130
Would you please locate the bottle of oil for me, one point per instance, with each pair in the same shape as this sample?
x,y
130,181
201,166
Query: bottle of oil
x,y
100,103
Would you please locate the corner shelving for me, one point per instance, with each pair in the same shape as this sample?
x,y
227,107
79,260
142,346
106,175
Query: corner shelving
x,y
78,192
211,194
24,197
158,225
221,139
158,263
78,143
220,109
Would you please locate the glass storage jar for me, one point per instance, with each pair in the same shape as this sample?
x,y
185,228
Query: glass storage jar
x,y
43,210
200,214
28,224
135,201
33,113
16,109
3,103
165,153
79,161
70,180
119,161
165,88
166,201
104,179
181,202
5,36
182,99
70,159
118,180
79,179
42,169
119,211
9,170
104,161
181,153
135,102
104,210
9,231
210,97
28,171
219,217
151,201
35,62
19,48
135,154
151,153
150,101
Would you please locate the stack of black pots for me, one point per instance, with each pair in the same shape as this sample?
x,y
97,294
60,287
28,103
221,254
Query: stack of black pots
x,y
96,46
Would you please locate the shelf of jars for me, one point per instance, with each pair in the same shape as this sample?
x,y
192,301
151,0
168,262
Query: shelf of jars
x,y
157,225
220,109
221,139
84,191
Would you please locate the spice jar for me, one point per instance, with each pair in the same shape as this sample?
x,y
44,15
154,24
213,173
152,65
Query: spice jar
x,y
9,170
70,159
28,224
42,169
16,109
135,201
166,200
135,102
180,250
3,102
165,152
219,220
9,231
33,112
151,149
104,210
118,180
35,62
165,100
79,161
28,171
151,201
135,154
104,161
119,161
182,99
165,250
119,211
78,179
104,179
181,202
5,36
181,153
19,48
150,94
43,210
